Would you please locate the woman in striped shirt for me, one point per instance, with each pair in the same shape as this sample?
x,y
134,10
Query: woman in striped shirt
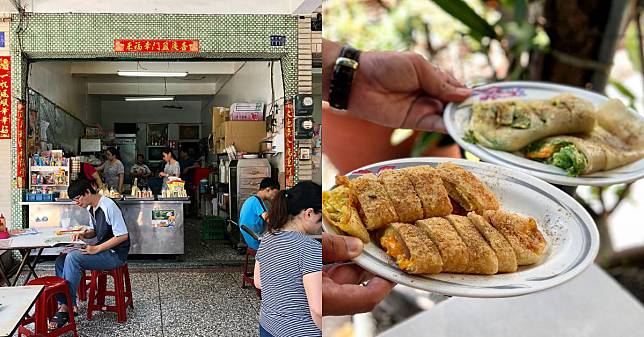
x,y
288,265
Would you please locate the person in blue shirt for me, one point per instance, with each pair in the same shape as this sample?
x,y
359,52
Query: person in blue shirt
x,y
254,212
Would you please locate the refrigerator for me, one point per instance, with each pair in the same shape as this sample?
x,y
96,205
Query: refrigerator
x,y
126,145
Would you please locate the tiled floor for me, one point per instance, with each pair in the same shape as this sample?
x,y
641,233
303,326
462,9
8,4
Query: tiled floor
x,y
198,294
202,302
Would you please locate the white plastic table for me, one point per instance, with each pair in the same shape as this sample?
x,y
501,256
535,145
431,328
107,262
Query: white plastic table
x,y
590,305
25,244
15,302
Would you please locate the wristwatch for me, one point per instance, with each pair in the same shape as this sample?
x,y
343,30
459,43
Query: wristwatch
x,y
343,72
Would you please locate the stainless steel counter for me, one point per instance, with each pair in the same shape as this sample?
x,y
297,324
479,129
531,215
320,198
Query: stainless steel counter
x,y
143,219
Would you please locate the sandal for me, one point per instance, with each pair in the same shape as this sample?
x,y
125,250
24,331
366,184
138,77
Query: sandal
x,y
61,318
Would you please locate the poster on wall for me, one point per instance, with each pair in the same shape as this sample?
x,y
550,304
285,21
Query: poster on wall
x,y
5,95
163,218
289,144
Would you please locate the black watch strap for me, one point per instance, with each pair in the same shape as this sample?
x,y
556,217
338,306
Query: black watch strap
x,y
344,70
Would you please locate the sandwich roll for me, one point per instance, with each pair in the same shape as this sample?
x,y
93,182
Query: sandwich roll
x,y
429,188
453,250
413,251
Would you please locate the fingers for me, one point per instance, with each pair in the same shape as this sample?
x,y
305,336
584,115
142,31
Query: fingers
x,y
348,299
425,114
451,79
347,273
327,108
438,84
339,248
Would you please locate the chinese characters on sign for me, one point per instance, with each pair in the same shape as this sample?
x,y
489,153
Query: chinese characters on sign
x,y
5,97
156,46
289,144
20,144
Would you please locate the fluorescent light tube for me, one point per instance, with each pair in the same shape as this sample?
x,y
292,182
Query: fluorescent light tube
x,y
152,73
149,98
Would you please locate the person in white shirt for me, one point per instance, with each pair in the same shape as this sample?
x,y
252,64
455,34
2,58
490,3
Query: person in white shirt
x,y
110,251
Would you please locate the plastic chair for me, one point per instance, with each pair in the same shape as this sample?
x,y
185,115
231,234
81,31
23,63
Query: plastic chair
x,y
247,277
46,307
122,292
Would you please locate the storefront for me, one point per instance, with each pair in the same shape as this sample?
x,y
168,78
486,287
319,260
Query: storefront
x,y
225,94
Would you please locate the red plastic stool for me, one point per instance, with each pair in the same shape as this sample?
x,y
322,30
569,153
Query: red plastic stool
x,y
247,277
122,292
46,307
83,286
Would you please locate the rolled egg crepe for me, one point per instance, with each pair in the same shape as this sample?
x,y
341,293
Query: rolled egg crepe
x,y
483,260
338,210
376,209
429,188
466,189
617,140
402,194
504,252
413,251
453,250
510,125
521,232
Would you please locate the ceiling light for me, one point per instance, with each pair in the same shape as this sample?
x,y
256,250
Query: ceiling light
x,y
149,98
152,73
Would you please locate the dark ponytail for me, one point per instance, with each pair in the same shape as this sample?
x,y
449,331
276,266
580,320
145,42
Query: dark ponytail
x,y
168,150
289,203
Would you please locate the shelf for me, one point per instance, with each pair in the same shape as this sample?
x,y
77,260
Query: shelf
x,y
46,185
49,168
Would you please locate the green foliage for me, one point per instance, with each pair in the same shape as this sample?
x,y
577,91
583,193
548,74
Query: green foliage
x,y
479,28
424,141
624,91
632,46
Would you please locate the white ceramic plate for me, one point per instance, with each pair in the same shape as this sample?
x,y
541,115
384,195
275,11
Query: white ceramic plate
x,y
457,117
573,240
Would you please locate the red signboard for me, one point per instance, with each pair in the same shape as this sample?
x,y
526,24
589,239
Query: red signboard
x,y
5,97
156,46
20,144
289,144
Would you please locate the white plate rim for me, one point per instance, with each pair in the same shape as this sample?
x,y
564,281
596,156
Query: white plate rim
x,y
426,283
489,155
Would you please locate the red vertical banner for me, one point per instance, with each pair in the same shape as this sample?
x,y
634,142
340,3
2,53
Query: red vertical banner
x,y
5,97
20,144
289,144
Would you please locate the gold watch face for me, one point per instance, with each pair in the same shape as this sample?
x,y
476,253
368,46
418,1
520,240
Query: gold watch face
x,y
347,62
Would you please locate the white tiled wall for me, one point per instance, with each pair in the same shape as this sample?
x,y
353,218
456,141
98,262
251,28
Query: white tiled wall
x,y
305,58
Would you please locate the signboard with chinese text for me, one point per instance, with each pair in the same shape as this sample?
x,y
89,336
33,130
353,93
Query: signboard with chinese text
x,y
20,144
5,97
289,144
156,46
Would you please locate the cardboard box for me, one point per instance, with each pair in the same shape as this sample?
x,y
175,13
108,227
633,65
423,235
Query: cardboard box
x,y
218,115
246,116
245,135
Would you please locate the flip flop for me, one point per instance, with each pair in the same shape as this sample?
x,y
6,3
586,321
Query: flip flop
x,y
54,319
61,318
